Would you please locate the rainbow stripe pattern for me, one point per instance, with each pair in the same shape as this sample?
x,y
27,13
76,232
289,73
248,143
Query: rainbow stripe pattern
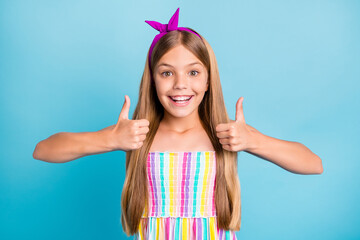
x,y
181,203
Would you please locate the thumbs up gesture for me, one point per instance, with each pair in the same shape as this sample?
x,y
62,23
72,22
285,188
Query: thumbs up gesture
x,y
235,136
128,134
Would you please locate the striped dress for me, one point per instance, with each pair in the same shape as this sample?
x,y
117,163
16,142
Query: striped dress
x,y
181,203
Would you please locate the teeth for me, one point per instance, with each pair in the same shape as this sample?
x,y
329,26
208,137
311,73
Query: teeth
x,y
181,98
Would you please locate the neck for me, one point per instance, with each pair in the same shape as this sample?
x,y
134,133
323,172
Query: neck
x,y
180,124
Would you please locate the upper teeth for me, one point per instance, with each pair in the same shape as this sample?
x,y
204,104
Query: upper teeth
x,y
181,98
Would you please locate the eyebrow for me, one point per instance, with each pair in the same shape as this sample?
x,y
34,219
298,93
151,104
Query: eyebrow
x,y
165,64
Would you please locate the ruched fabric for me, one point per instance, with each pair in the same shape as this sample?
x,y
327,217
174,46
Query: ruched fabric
x,y
181,197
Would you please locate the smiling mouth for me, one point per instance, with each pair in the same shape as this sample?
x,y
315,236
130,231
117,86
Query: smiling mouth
x,y
181,99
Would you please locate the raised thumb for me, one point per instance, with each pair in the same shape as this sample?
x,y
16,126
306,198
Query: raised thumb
x,y
239,114
124,114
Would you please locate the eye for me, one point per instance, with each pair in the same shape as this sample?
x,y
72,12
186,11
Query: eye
x,y
162,74
196,73
193,73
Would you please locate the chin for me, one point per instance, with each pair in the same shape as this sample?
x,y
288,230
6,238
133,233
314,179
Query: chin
x,y
180,113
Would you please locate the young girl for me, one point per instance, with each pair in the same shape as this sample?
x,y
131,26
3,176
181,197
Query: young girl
x,y
181,147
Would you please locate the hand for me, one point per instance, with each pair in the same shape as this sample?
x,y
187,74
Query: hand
x,y
128,134
235,136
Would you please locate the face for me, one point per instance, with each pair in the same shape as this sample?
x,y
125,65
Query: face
x,y
181,81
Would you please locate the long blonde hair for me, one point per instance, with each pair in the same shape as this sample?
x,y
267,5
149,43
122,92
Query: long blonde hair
x,y
212,111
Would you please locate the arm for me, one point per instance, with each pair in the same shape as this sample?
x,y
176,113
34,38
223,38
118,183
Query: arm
x,y
67,146
292,156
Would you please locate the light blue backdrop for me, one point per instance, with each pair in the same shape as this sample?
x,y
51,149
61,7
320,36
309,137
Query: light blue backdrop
x,y
65,66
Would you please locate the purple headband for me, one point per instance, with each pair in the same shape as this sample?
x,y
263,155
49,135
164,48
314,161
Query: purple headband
x,y
165,28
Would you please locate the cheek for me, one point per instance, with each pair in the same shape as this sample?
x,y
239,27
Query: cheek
x,y
200,86
162,91
159,86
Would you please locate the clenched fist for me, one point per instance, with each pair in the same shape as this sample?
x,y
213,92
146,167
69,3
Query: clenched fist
x,y
235,136
128,134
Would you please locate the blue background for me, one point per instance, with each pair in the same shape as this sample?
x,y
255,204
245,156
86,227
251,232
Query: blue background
x,y
67,65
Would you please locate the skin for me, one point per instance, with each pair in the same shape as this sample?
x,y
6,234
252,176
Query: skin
x,y
292,156
182,124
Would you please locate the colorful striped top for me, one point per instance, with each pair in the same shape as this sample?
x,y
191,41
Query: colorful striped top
x,y
181,197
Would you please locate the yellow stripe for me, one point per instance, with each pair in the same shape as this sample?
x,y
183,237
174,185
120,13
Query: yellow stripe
x,y
212,228
140,230
157,229
184,229
145,213
171,183
203,194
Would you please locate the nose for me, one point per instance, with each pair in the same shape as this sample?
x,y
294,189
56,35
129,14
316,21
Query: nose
x,y
180,81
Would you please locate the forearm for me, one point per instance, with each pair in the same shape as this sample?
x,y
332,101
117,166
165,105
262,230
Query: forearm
x,y
292,156
67,146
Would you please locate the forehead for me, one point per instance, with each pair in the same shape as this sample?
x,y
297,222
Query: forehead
x,y
196,63
179,57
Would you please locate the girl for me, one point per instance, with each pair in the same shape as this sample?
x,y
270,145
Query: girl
x,y
181,147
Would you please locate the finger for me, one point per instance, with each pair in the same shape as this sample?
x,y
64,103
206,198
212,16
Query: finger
x,y
138,138
143,131
143,122
141,138
222,127
226,147
239,115
226,141
124,114
140,123
223,134
139,144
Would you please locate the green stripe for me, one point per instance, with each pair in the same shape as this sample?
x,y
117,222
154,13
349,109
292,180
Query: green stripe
x,y
196,180
205,228
177,220
163,195
227,234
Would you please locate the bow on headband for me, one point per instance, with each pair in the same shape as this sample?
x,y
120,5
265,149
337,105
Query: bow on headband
x,y
165,28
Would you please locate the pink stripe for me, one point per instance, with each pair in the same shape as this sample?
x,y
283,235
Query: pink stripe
x,y
194,229
151,184
167,228
175,185
182,184
209,192
213,180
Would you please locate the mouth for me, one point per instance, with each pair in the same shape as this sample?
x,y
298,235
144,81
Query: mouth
x,y
181,101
